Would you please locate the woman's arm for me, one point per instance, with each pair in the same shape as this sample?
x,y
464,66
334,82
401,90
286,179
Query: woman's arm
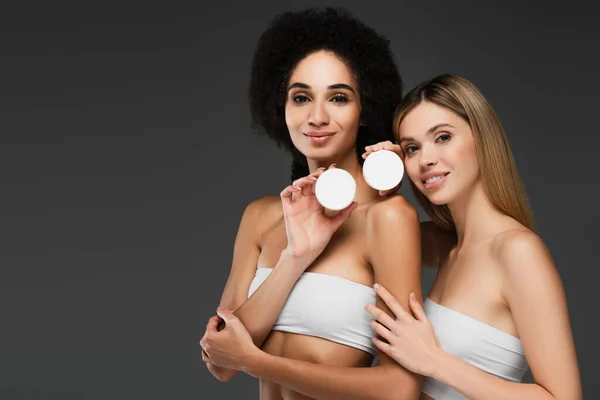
x,y
536,298
308,232
246,251
535,295
260,311
233,348
394,253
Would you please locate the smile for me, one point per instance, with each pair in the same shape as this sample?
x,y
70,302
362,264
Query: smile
x,y
435,181
320,138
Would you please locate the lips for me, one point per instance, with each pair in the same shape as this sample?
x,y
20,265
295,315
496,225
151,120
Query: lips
x,y
318,134
319,137
434,179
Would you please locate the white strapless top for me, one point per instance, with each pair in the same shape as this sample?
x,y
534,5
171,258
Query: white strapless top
x,y
477,343
326,306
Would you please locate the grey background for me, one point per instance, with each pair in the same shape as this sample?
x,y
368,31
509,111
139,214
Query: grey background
x,y
126,161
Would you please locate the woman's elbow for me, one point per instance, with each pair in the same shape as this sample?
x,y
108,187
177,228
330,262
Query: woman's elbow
x,y
222,374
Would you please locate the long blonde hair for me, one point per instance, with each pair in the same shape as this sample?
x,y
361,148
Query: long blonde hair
x,y
497,165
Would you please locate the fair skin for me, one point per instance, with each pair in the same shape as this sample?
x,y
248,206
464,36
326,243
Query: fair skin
x,y
499,273
292,235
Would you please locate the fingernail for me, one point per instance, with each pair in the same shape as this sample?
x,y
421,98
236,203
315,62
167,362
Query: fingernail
x,y
376,286
412,295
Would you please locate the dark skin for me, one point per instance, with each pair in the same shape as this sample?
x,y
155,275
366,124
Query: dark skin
x,y
291,234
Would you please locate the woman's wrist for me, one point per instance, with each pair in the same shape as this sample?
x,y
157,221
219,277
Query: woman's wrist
x,y
296,261
255,363
441,364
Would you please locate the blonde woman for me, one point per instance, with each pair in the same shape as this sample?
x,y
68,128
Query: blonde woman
x,y
497,305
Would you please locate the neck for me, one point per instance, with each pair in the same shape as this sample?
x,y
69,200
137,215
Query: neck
x,y
473,215
348,162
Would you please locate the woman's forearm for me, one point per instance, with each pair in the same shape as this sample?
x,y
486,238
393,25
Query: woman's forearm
x,y
260,311
479,385
324,382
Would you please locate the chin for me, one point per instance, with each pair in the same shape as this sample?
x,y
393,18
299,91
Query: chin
x,y
436,202
439,198
320,154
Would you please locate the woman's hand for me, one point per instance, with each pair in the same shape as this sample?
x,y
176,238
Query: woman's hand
x,y
411,342
308,229
387,145
231,347
222,374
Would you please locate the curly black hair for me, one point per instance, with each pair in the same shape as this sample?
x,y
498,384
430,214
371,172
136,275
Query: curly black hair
x,y
293,35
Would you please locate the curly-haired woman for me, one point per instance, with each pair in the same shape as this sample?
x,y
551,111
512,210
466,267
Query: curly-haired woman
x,y
323,86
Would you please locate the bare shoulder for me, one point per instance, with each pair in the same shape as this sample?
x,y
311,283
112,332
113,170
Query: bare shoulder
x,y
521,252
392,225
394,209
263,212
264,206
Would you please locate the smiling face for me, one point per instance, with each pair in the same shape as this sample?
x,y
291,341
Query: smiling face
x,y
322,109
440,153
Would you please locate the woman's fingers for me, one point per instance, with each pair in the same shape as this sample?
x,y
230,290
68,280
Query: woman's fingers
x,y
392,303
377,146
287,193
417,309
387,145
380,316
296,189
303,186
382,331
381,345
306,184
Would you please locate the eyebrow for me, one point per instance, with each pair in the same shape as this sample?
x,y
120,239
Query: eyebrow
x,y
330,87
429,132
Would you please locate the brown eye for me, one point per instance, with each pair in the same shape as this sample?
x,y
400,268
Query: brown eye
x,y
410,149
340,98
300,98
444,137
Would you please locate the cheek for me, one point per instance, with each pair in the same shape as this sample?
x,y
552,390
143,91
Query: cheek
x,y
411,167
348,119
293,117
354,117
466,155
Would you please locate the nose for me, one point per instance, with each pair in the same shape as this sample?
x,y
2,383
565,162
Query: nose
x,y
318,114
427,156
